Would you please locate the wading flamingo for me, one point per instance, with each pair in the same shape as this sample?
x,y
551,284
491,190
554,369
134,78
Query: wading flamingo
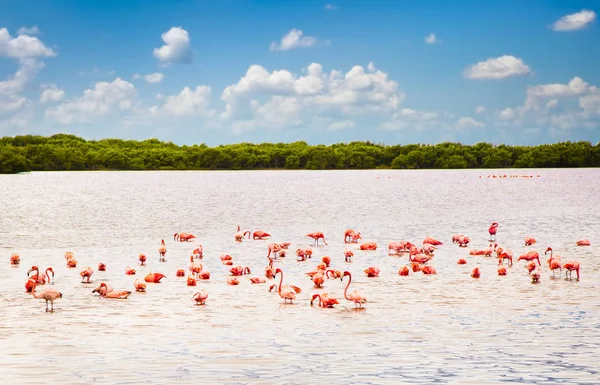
x,y
476,273
154,277
570,267
191,280
461,261
198,252
162,251
259,235
86,274
240,235
493,230
404,271
274,248
114,294
531,266
530,241
256,280
101,266
326,260
239,270
71,263
324,300
287,292
348,254
142,259
463,241
129,270
316,236
372,272
48,294
233,281
504,254
101,289
139,285
535,276
356,296
502,270
431,241
180,273
428,270
530,256
351,236
15,259
269,270
318,279
583,242
331,273
200,297
368,246
554,262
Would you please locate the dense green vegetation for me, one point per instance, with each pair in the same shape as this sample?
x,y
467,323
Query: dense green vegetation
x,y
68,152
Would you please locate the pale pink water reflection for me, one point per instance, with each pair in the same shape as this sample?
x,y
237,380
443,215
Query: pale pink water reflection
x,y
447,328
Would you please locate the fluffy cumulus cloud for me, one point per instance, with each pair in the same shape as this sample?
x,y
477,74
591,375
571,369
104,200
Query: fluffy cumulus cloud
x,y
574,21
177,47
189,102
51,93
555,106
281,98
22,46
293,39
103,99
497,68
468,122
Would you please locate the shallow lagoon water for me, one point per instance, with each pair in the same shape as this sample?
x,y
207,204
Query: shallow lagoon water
x,y
443,329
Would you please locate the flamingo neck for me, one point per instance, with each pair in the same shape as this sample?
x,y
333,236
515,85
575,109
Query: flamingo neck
x,y
280,283
317,296
346,289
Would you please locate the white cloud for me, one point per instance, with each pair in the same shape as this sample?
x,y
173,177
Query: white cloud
x,y
177,47
29,31
497,68
156,77
314,94
507,114
11,99
468,122
431,39
574,21
590,104
103,99
52,94
342,125
293,39
331,7
189,102
22,46
409,118
479,110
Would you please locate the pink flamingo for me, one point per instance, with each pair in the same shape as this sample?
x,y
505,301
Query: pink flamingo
x,y
431,241
200,297
162,250
233,281
274,248
351,236
269,271
198,252
114,294
404,271
318,279
554,262
368,246
239,270
570,267
324,300
475,273
48,294
504,254
101,289
129,270
429,270
142,259
348,254
530,256
583,242
501,270
240,235
535,276
259,234
530,241
326,260
287,292
86,274
101,266
154,277
463,241
15,259
493,230
316,236
372,272
418,258
139,285
191,280
356,296
461,261
256,280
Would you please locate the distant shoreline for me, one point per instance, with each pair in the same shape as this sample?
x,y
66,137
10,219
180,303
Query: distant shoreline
x,y
64,152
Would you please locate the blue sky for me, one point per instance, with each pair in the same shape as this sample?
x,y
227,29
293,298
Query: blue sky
x,y
226,71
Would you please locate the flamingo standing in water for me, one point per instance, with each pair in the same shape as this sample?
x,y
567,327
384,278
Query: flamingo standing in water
x,y
287,292
351,236
554,262
269,270
368,246
200,297
530,256
239,235
530,241
154,277
142,259
404,271
316,236
504,254
139,285
348,254
356,296
475,273
101,266
570,267
48,294
101,289
259,235
324,300
583,242
493,230
501,270
86,274
162,250
15,259
372,271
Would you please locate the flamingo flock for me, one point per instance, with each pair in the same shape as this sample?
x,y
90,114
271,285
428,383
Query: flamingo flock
x,y
418,260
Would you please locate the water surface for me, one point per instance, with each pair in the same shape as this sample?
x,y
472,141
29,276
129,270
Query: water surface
x,y
443,329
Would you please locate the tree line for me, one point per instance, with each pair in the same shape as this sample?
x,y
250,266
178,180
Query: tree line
x,y
69,152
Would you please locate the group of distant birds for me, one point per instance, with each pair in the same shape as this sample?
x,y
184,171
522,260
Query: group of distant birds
x,y
418,258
